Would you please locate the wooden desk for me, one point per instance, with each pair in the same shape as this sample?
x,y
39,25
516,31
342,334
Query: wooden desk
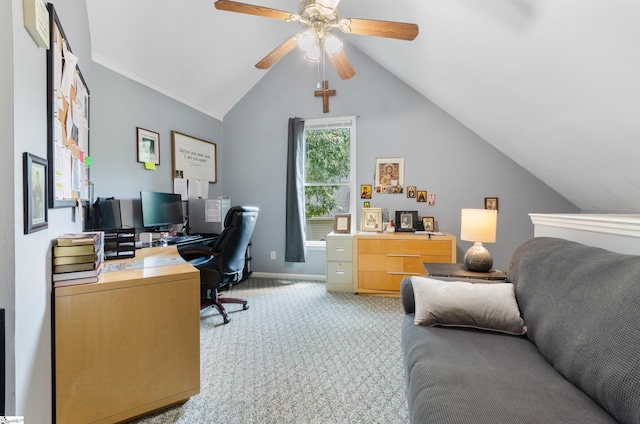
x,y
128,344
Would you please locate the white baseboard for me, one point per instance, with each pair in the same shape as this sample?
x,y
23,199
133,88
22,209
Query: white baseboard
x,y
289,276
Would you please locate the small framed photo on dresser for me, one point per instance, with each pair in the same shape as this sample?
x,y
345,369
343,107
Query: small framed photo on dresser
x,y
342,223
406,221
371,219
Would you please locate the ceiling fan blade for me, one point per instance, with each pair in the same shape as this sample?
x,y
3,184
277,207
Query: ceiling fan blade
x,y
342,65
278,53
387,29
250,9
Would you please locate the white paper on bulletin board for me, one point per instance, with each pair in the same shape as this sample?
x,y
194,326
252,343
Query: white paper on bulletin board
x,y
193,158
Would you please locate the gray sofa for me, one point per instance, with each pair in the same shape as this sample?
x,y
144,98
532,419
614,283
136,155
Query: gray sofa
x,y
578,362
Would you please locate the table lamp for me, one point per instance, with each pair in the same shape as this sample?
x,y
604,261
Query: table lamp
x,y
478,226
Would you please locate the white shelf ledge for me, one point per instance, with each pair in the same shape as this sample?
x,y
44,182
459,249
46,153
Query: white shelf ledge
x,y
615,232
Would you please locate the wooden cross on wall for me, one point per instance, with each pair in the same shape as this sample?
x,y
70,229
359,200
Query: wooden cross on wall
x,y
325,93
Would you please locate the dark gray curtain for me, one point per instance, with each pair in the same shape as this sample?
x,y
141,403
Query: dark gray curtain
x,y
295,229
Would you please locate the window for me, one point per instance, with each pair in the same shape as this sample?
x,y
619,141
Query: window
x,y
329,174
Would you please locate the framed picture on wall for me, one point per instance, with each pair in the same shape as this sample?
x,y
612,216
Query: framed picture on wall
x,y
422,196
148,146
365,191
389,175
35,193
491,203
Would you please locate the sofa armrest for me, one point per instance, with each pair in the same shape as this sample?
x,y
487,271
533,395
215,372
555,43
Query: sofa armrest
x,y
406,293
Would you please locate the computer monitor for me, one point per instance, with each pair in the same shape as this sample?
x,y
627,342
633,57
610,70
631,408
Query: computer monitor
x,y
159,210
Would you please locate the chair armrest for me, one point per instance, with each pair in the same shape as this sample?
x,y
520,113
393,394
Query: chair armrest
x,y
192,252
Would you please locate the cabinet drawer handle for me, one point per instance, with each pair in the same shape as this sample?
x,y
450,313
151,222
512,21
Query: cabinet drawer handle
x,y
401,255
402,273
340,272
339,249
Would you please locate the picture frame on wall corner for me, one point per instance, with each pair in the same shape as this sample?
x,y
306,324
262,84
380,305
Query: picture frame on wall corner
x,y
371,219
148,146
342,223
35,193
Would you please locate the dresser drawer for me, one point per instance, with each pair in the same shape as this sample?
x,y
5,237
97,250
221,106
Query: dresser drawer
x,y
382,281
405,247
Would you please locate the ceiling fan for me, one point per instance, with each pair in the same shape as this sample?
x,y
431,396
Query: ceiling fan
x,y
319,17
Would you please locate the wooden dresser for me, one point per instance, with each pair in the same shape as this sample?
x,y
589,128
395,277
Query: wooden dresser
x,y
382,260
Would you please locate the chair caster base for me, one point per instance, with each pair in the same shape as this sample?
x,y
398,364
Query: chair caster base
x,y
245,307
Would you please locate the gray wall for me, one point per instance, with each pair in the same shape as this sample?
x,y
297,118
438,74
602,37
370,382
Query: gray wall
x,y
7,258
118,106
29,342
441,156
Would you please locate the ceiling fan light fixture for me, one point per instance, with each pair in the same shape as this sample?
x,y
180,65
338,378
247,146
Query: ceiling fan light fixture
x,y
313,55
307,41
332,45
327,7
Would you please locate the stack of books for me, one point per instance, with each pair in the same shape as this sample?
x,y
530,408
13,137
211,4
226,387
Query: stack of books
x,y
78,258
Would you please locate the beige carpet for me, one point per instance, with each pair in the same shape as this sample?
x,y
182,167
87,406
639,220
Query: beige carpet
x,y
298,355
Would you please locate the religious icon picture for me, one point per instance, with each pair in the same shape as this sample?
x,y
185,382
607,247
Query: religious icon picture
x,y
491,203
365,191
422,195
389,175
371,219
411,192
431,199
366,205
428,222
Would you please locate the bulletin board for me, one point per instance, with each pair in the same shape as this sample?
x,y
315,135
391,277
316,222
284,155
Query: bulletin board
x,y
67,122
193,158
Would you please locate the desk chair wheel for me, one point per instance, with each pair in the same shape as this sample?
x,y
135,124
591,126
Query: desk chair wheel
x,y
245,307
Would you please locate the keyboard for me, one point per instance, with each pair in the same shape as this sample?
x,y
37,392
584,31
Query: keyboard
x,y
182,239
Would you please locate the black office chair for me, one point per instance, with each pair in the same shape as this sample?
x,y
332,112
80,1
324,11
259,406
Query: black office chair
x,y
223,263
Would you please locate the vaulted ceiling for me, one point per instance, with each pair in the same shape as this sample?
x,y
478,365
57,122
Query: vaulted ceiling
x,y
554,85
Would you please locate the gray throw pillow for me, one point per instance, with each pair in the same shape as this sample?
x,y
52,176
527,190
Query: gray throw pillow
x,y
490,306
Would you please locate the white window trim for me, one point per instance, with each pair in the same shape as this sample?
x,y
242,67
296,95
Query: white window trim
x,y
339,122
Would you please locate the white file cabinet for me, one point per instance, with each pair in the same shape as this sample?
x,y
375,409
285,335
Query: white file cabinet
x,y
339,262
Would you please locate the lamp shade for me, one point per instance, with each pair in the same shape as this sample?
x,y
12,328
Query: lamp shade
x,y
478,225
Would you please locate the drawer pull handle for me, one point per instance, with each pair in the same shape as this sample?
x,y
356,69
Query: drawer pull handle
x,y
340,272
339,249
402,255
402,273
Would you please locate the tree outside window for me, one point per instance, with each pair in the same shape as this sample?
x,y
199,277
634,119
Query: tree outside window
x,y
328,177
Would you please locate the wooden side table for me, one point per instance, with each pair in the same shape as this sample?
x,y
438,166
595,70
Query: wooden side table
x,y
434,269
